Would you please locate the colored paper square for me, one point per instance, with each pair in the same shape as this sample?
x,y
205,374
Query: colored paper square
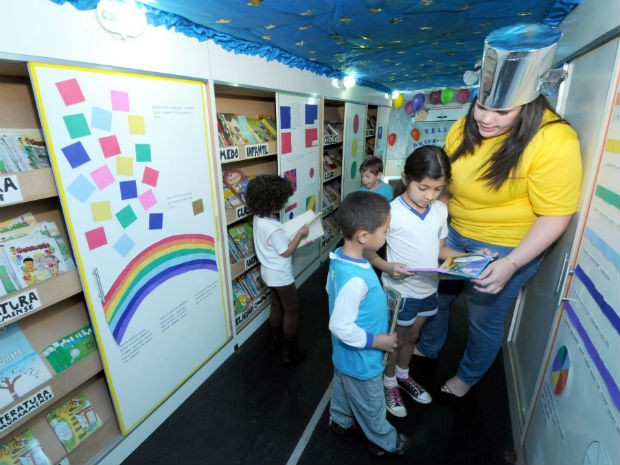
x,y
81,188
311,113
143,152
156,221
198,207
124,166
136,124
75,154
76,125
310,202
96,238
70,91
291,175
150,176
147,199
126,216
129,189
290,207
285,117
101,119
120,100
101,211
312,137
286,142
102,177
124,245
109,146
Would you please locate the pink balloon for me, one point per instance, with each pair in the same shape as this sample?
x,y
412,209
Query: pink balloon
x,y
435,97
462,96
409,107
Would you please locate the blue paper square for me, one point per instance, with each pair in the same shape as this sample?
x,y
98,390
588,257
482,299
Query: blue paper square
x,y
156,221
129,189
76,154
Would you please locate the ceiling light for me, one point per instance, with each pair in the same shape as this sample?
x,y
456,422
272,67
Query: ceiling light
x,y
471,77
348,82
337,83
395,94
123,18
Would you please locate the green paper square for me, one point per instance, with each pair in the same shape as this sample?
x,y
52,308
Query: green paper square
x,y
77,125
126,216
143,152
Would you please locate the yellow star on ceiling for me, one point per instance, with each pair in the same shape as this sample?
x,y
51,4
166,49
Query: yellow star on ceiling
x,y
254,2
223,21
307,13
345,19
270,26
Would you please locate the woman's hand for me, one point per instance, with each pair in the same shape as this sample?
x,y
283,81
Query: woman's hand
x,y
494,277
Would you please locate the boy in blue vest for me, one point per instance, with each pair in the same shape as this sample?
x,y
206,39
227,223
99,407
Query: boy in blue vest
x,y
359,325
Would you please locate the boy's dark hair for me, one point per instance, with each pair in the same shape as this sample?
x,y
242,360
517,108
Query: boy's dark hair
x,y
268,193
373,164
427,161
362,211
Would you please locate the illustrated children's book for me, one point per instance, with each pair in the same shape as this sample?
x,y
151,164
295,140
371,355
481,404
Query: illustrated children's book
x,y
393,304
22,150
236,134
308,218
22,448
21,367
243,237
70,349
464,267
74,421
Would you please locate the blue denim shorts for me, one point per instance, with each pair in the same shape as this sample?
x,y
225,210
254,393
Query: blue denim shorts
x,y
411,308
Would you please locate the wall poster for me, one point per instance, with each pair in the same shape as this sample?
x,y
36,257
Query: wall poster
x,y
383,119
353,143
131,160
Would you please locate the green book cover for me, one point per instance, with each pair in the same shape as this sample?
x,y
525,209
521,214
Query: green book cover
x,y
70,349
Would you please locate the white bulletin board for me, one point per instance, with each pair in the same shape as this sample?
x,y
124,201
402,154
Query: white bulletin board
x,y
130,157
354,140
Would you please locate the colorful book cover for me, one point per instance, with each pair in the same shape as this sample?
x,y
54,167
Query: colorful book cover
x,y
246,130
22,150
17,222
241,234
464,267
70,349
74,421
221,123
232,124
241,299
23,448
21,368
263,134
271,126
230,198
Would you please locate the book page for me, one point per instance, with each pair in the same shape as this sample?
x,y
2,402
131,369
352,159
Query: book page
x,y
313,220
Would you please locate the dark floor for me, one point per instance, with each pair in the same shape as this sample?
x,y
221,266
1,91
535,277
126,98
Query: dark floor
x,y
253,410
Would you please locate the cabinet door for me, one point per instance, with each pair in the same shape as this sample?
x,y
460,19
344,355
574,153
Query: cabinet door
x,y
353,153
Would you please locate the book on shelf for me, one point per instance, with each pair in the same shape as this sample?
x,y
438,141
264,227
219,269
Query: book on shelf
x,y
270,123
22,448
231,199
329,162
17,222
462,267
308,218
232,123
21,367
70,349
242,236
246,130
257,279
74,420
260,130
233,252
22,150
223,130
241,298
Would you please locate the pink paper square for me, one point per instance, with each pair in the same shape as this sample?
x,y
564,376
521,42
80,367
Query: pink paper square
x,y
150,176
109,145
147,199
312,137
103,177
286,141
96,238
120,100
70,91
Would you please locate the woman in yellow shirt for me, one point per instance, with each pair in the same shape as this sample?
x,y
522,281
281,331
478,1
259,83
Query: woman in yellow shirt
x,y
516,170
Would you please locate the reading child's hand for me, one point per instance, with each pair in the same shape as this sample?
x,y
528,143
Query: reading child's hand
x,y
398,270
303,231
385,342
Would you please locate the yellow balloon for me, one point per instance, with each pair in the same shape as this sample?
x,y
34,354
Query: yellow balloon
x,y
398,101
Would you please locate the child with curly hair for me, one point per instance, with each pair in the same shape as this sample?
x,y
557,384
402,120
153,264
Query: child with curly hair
x,y
266,195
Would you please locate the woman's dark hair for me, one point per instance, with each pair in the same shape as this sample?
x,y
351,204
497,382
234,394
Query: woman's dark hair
x,y
268,193
507,157
362,211
427,161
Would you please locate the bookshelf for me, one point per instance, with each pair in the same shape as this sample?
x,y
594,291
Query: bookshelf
x,y
239,162
50,310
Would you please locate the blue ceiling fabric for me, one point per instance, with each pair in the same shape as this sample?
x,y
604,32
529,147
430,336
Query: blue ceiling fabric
x,y
386,44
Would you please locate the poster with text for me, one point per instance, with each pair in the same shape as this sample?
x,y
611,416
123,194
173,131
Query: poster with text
x,y
383,119
353,142
298,118
131,161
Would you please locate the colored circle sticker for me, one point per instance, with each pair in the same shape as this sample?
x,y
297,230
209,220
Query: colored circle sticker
x,y
353,170
311,172
560,369
354,148
356,123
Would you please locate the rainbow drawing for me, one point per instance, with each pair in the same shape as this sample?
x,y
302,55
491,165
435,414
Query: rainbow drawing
x,y
172,256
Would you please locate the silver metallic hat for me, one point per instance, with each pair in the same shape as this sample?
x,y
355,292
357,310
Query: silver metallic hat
x,y
515,65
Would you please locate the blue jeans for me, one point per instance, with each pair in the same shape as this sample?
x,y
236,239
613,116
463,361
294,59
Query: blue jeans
x,y
487,313
362,401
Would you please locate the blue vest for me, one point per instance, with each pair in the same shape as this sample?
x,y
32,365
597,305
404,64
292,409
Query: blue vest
x,y
359,363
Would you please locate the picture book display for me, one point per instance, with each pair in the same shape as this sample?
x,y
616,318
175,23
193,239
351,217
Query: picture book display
x,y
22,448
308,218
70,349
74,421
464,267
21,367
243,238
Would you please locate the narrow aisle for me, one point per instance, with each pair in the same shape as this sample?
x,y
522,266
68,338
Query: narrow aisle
x,y
253,410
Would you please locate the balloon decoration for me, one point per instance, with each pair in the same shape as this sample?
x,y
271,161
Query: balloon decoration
x,y
473,94
434,97
462,96
447,95
409,107
392,139
415,134
421,115
417,101
398,101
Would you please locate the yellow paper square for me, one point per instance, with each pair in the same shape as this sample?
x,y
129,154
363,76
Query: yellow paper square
x,y
136,124
124,166
101,211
